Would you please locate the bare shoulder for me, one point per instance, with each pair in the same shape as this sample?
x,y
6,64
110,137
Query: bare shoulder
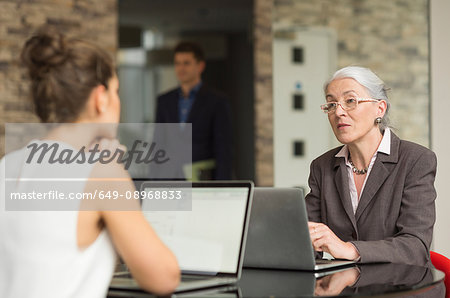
x,y
111,188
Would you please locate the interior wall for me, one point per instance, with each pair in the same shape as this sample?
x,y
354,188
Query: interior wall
x,y
440,98
19,19
390,37
263,106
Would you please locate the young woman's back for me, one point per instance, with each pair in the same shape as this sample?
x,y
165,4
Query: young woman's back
x,y
39,252
71,253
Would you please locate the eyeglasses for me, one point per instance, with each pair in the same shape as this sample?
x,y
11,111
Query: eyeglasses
x,y
347,105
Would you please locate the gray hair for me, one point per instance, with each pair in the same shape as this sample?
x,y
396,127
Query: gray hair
x,y
368,79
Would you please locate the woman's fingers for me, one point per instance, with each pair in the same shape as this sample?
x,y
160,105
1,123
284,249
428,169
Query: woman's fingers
x,y
321,244
315,229
323,238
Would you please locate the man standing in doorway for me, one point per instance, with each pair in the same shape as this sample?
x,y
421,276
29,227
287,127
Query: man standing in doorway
x,y
207,110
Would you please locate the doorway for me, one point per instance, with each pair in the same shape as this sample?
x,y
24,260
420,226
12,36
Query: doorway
x,y
148,31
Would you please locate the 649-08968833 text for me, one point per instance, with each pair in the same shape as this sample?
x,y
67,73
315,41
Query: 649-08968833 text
x,y
102,195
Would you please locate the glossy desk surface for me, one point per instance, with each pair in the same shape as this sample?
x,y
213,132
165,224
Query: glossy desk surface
x,y
380,280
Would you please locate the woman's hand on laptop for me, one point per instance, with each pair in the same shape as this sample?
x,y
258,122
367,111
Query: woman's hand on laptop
x,y
323,239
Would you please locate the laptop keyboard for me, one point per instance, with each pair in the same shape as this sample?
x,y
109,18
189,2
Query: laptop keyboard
x,y
183,277
323,261
211,281
193,277
123,275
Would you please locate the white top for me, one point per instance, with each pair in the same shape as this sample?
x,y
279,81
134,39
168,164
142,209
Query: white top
x,y
39,256
384,147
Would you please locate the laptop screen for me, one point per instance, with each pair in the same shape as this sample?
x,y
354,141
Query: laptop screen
x,y
208,239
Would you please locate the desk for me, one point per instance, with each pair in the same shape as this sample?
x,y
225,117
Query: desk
x,y
381,280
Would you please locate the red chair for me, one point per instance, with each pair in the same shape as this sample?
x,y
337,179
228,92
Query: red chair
x,y
442,263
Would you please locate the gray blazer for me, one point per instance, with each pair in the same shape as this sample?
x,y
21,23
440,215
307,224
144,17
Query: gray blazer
x,y
396,213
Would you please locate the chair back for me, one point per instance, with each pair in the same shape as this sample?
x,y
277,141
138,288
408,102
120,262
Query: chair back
x,y
442,263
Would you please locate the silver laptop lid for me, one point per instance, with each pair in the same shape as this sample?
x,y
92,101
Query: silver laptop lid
x,y
278,236
210,239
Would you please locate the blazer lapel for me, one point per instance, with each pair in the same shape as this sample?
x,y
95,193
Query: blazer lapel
x,y
197,104
341,181
173,109
380,171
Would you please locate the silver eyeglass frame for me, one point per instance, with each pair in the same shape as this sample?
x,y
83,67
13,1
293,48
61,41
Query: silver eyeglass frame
x,y
358,100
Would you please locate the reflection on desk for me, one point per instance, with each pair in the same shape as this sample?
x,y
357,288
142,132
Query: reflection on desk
x,y
391,278
231,291
366,280
362,280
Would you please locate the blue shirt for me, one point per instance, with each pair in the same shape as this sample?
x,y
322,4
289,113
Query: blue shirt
x,y
185,103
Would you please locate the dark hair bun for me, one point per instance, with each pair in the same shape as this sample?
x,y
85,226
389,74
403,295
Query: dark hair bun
x,y
63,73
45,50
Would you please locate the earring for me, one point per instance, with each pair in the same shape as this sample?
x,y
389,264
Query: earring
x,y
378,120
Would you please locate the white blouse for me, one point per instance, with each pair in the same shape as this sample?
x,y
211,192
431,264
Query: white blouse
x,y
384,147
39,255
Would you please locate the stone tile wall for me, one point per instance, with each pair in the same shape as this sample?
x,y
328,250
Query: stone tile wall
x,y
263,10
388,36
90,19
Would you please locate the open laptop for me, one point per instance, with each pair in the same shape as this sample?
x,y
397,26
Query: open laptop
x,y
278,236
208,241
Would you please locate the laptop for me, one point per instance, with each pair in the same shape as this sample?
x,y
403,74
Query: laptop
x,y
278,236
208,241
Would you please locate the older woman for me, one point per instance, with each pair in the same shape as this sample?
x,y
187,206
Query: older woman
x,y
372,199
